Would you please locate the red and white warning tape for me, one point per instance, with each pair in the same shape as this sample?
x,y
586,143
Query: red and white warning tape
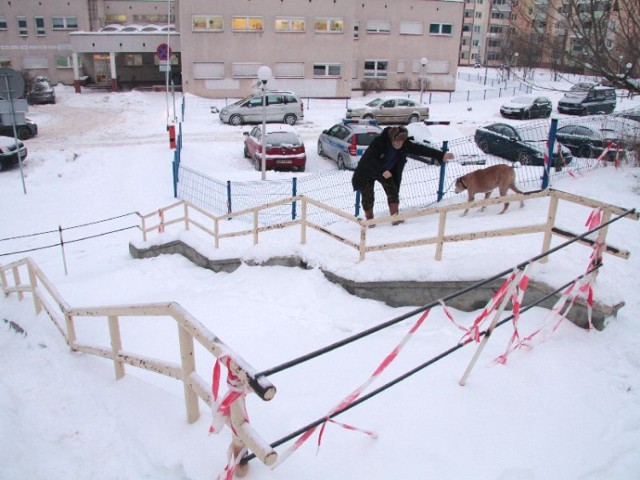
x,y
161,224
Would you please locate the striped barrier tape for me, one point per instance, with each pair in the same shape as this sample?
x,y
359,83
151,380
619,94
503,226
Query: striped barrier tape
x,y
161,224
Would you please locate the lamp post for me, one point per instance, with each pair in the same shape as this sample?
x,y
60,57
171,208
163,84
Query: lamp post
x,y
423,71
264,74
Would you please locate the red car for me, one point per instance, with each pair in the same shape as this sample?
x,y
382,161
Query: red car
x,y
284,148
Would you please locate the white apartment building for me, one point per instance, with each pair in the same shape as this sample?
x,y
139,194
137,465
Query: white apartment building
x,y
319,48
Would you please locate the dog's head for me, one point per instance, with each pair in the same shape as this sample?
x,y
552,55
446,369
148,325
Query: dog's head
x,y
460,186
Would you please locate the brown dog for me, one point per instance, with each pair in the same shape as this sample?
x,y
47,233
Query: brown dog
x,y
486,181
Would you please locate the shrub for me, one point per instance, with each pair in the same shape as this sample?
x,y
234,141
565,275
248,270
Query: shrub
x,y
404,84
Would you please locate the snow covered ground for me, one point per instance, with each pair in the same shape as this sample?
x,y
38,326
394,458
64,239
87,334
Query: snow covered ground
x,y
567,408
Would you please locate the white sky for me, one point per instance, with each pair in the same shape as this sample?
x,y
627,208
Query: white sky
x,y
567,408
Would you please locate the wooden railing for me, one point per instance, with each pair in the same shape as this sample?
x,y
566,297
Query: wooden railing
x,y
186,215
46,297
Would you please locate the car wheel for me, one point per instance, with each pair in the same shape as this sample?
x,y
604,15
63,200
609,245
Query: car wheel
x,y
235,120
525,158
3,166
320,150
585,151
246,152
23,133
548,114
584,112
257,163
341,165
526,115
301,169
290,119
367,116
414,118
483,144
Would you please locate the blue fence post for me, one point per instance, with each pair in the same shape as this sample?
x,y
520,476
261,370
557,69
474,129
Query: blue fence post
x,y
430,93
357,205
229,196
182,108
294,192
443,171
176,166
547,167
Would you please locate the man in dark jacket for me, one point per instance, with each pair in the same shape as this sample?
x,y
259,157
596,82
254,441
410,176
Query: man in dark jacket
x,y
384,161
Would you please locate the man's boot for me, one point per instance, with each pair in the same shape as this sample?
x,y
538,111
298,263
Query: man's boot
x,y
368,215
393,210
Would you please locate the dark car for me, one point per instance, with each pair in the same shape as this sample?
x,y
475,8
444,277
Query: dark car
x,y
9,149
526,146
595,100
589,141
24,131
527,107
284,149
344,143
41,92
632,114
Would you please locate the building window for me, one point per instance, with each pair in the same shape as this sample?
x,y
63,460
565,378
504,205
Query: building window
x,y
495,29
247,24
411,28
376,68
65,23
3,23
290,25
66,61
378,26
440,29
478,14
475,43
22,27
289,70
29,63
401,67
245,70
132,59
39,21
205,70
158,19
333,70
329,25
121,19
477,28
207,23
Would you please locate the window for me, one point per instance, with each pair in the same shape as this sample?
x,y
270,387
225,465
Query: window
x,y
376,68
378,26
153,18
65,23
39,21
245,70
202,70
495,29
290,24
356,29
329,25
3,23
22,26
478,14
289,70
207,23
247,24
440,29
327,70
411,28
66,61
475,43
122,19
401,67
34,63
477,28
132,59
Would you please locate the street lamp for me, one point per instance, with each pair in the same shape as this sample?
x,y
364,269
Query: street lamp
x,y
264,74
423,72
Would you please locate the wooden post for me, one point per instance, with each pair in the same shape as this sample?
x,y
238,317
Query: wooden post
x,y
441,226
247,435
16,280
216,232
187,355
303,222
255,227
551,221
71,330
363,241
144,229
186,215
33,278
116,345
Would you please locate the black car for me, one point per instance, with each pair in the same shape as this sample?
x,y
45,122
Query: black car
x,y
526,146
9,150
527,107
24,131
589,141
41,92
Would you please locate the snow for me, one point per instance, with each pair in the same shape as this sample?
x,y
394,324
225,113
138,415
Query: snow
x,y
569,407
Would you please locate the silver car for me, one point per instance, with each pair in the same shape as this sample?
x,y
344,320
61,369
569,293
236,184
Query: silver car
x,y
391,110
344,143
282,107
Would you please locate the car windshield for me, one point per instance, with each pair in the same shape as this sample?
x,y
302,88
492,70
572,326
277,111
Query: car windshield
x,y
577,95
523,100
533,135
375,103
365,138
283,138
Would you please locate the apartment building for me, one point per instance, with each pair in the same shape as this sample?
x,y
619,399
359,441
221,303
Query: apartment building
x,y
213,48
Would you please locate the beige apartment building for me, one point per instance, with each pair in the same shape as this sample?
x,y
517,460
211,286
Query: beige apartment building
x,y
214,48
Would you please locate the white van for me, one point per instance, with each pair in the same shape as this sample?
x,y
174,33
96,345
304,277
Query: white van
x,y
282,107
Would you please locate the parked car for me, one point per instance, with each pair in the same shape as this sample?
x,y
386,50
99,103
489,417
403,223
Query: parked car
x,y
597,99
589,141
581,86
41,92
24,131
526,146
527,107
285,107
632,114
9,152
391,110
283,147
344,143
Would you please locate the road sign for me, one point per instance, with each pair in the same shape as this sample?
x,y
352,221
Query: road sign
x,y
163,51
11,84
